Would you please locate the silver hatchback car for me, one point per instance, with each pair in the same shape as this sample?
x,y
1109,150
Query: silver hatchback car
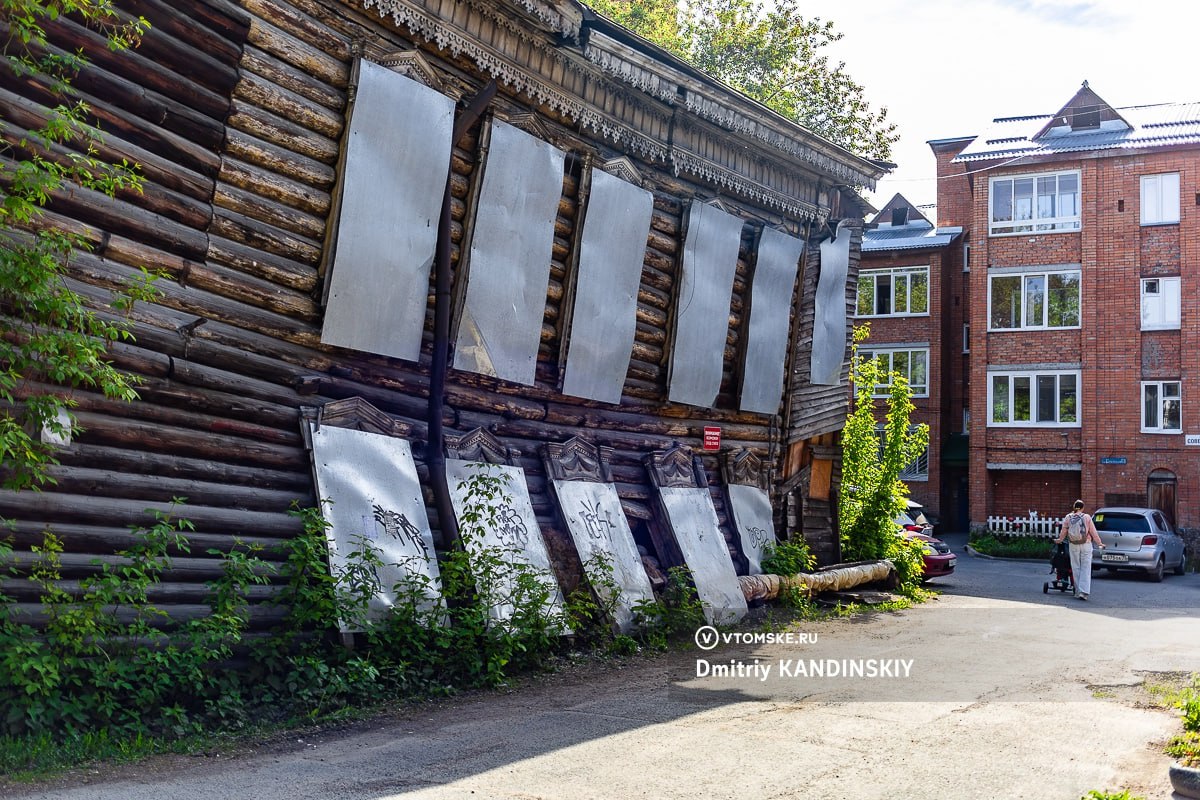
x,y
1137,538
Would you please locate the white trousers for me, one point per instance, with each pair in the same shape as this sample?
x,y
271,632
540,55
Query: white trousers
x,y
1081,566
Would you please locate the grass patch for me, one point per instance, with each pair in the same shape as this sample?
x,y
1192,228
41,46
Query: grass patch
x,y
1012,546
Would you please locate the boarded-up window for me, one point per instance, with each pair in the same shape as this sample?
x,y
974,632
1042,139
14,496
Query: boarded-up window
x,y
501,321
709,263
829,323
770,316
612,249
397,160
371,497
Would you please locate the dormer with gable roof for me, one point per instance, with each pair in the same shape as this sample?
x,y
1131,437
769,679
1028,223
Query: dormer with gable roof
x,y
1085,112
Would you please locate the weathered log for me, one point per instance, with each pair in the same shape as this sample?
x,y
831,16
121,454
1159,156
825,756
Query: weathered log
x,y
291,18
222,43
297,482
302,82
266,237
23,113
757,588
80,539
278,130
95,482
159,438
264,94
26,591
111,274
258,176
274,269
271,40
254,206
172,79
109,511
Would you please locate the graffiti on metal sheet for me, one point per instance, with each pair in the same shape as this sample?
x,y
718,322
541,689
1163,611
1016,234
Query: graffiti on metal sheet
x,y
597,520
400,528
511,527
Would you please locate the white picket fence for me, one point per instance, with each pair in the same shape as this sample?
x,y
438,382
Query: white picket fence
x,y
1033,525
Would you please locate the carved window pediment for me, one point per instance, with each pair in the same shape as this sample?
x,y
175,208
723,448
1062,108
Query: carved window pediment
x,y
483,446
357,414
674,468
745,467
577,460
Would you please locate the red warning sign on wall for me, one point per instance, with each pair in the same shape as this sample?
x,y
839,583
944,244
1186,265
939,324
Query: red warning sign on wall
x,y
712,438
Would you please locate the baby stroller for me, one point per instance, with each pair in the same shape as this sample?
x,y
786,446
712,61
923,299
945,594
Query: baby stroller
x,y
1060,565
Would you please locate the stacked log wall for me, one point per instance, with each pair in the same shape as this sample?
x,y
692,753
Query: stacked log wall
x,y
236,113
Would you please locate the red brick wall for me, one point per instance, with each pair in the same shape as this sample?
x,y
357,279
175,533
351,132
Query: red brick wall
x,y
1114,251
1016,493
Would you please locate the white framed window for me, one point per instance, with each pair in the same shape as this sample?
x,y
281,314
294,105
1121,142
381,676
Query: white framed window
x,y
966,420
899,292
918,469
1160,303
1040,203
1161,406
1033,399
966,256
913,364
966,337
1034,300
1160,199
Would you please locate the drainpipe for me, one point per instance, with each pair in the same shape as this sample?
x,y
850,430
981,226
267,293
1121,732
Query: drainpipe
x,y
435,456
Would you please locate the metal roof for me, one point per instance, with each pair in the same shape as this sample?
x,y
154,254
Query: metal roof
x,y
917,233
1160,125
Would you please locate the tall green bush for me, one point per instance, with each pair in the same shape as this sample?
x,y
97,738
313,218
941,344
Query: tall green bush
x,y
872,493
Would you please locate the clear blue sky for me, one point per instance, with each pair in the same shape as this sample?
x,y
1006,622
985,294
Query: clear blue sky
x,y
946,68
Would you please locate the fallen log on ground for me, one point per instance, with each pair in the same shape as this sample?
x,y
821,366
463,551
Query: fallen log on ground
x,y
757,588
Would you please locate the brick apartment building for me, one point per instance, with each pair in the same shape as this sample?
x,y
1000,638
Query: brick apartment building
x,y
1079,246
910,276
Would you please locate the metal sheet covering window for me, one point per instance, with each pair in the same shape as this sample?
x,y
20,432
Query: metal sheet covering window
x,y
397,159
754,519
709,263
829,323
370,494
698,534
611,252
770,317
509,533
509,270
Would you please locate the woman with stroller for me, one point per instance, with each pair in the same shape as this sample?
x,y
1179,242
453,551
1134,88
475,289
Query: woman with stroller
x,y
1079,531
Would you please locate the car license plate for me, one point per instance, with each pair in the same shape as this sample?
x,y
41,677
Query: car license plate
x,y
1114,557
952,562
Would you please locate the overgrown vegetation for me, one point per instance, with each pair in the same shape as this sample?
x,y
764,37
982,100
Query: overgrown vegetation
x,y
50,339
1012,546
771,53
109,675
1185,747
872,492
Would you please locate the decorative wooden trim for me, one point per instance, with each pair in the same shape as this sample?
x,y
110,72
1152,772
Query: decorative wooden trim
x,y
358,414
412,64
481,445
533,124
744,467
624,169
577,460
674,468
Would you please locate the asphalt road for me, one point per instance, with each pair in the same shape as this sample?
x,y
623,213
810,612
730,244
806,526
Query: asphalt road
x,y
993,690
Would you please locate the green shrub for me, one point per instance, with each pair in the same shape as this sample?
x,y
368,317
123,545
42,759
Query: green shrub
x,y
789,557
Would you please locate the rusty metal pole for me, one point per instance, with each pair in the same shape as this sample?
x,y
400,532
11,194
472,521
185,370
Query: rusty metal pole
x,y
435,456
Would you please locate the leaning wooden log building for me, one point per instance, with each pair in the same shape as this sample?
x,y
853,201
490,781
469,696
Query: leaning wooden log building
x,y
295,154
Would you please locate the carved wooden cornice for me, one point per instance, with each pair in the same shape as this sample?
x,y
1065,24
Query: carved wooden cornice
x,y
358,414
481,445
577,460
632,99
674,468
745,467
717,103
